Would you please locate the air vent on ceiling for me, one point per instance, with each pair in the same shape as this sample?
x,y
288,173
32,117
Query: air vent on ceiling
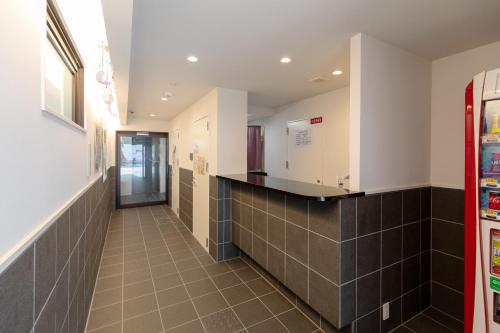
x,y
319,79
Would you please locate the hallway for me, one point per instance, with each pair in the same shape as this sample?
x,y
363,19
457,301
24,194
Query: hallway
x,y
155,277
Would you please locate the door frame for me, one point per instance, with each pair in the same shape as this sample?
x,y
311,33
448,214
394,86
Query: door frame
x,y
119,134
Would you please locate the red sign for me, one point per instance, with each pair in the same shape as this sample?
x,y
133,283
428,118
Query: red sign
x,y
317,120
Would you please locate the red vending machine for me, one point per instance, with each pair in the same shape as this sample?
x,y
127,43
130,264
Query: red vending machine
x,y
482,204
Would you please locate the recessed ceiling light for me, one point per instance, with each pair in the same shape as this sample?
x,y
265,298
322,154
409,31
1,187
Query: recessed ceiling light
x,y
192,58
152,115
337,72
164,99
285,60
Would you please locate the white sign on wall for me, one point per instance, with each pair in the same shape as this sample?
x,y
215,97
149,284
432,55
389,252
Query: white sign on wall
x,y
303,137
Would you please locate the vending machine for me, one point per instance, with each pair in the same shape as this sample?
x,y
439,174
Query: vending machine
x,y
482,204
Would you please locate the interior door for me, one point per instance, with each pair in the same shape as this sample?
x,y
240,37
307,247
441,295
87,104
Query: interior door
x,y
200,180
142,168
305,144
175,170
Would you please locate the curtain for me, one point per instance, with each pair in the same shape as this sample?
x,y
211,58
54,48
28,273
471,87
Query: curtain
x,y
254,149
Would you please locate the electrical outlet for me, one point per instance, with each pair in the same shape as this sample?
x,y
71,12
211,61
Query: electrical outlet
x,y
385,311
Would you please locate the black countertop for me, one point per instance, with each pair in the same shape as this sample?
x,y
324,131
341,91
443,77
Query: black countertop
x,y
305,190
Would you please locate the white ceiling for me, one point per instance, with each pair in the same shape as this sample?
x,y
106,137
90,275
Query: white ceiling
x,y
239,44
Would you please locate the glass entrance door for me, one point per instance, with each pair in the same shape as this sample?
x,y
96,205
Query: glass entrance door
x,y
142,172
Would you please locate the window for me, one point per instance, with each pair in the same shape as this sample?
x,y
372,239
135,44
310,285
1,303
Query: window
x,y
63,71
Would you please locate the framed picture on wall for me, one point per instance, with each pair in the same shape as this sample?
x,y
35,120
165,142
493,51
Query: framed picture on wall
x,y
98,148
104,156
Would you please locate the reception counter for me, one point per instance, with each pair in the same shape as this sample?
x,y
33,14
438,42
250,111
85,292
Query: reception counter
x,y
302,234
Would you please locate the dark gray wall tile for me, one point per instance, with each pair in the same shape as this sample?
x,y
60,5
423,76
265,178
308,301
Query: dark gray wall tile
x,y
296,277
276,263
246,241
425,203
324,297
324,257
235,211
276,204
448,270
411,304
260,251
425,235
368,254
212,208
16,294
324,218
227,231
392,205
348,301
348,218
368,297
348,261
411,239
425,266
246,194
411,276
391,246
45,266
62,241
46,322
61,299
297,211
259,223
236,191
236,234
212,186
391,282
448,237
368,214
276,231
411,205
448,204
260,198
296,242
246,216
425,295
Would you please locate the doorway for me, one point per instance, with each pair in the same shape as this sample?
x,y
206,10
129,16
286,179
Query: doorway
x,y
142,174
200,137
176,153
305,150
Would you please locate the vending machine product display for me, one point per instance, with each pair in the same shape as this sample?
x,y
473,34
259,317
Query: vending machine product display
x,y
482,204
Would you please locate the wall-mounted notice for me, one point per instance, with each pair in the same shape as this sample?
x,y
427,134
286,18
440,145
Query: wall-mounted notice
x,y
303,137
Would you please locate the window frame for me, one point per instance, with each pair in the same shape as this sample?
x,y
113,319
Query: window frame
x,y
59,37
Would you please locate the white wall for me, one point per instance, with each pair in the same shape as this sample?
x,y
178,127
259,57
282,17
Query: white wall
x,y
450,76
334,108
206,106
44,160
390,116
227,113
231,132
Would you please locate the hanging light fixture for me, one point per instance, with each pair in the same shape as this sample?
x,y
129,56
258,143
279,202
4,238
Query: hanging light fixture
x,y
107,97
104,74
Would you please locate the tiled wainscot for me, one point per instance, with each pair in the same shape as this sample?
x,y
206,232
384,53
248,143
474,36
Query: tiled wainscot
x,y
49,286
